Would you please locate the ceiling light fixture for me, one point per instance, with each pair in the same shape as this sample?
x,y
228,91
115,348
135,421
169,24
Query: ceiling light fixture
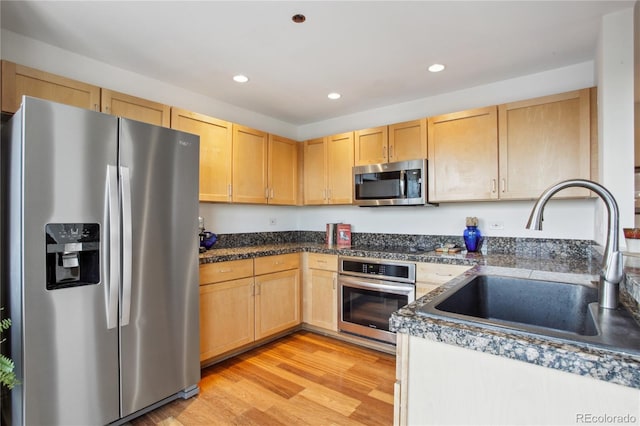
x,y
298,18
240,78
334,95
436,67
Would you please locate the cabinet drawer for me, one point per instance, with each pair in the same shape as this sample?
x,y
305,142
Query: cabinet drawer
x,y
328,262
438,273
282,262
225,271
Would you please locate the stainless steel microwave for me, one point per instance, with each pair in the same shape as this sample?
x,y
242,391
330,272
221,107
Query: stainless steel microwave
x,y
401,183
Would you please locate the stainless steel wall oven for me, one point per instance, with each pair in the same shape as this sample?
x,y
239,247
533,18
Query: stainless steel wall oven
x,y
370,290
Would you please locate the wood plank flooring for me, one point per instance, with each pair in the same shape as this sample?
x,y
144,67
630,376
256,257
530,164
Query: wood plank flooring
x,y
301,379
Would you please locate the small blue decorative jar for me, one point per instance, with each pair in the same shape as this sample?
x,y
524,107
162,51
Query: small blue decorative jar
x,y
472,235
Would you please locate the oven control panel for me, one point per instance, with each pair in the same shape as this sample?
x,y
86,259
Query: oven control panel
x,y
378,268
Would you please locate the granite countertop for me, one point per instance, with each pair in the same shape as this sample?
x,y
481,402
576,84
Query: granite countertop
x,y
603,364
562,265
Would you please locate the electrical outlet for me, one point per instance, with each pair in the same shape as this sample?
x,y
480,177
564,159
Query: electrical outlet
x,y
496,226
273,221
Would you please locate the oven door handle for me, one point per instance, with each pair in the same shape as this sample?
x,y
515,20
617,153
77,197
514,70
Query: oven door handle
x,y
395,288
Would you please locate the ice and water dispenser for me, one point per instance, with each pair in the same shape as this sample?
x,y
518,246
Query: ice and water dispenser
x,y
73,254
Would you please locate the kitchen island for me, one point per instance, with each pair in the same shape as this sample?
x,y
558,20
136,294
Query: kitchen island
x,y
463,373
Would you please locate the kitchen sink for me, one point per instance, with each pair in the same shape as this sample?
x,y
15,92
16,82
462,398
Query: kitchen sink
x,y
548,308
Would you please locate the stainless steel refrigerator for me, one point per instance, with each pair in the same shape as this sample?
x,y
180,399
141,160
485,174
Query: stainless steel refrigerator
x,y
100,264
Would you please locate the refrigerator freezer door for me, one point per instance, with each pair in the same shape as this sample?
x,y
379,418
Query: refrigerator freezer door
x,y
160,343
69,359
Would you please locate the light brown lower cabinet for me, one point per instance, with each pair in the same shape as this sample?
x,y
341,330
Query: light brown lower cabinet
x,y
320,293
226,316
277,302
243,301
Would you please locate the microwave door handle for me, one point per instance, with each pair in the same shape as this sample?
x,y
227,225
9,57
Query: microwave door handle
x,y
403,184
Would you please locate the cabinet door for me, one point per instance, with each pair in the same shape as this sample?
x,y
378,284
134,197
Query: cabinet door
x,y
139,109
249,165
463,156
277,302
320,298
226,316
544,141
18,80
315,172
408,140
340,168
283,170
215,152
371,146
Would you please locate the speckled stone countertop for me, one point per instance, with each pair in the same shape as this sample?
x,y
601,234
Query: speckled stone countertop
x,y
565,264
578,358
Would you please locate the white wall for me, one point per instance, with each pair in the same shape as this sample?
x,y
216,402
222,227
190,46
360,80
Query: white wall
x,y
565,219
614,75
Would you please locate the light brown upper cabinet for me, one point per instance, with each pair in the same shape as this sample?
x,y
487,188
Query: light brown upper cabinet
x,y
249,168
18,80
315,171
215,152
283,170
371,146
408,140
328,164
463,155
543,141
396,142
513,151
139,109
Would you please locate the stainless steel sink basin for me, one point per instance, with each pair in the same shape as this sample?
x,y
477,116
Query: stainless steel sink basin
x,y
553,309
535,303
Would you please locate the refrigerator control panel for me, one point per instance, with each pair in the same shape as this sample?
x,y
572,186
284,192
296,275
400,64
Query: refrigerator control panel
x,y
73,254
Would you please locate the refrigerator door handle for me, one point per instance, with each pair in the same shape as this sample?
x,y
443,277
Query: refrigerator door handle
x,y
111,255
125,185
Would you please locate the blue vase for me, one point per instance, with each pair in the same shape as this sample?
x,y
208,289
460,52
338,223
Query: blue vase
x,y
472,238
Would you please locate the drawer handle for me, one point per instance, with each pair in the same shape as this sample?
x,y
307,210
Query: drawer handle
x,y
224,271
443,275
321,261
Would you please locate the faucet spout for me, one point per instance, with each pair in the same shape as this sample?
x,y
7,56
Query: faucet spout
x,y
611,274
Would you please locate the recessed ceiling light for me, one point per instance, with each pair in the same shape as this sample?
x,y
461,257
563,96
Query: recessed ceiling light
x,y
333,96
240,78
436,67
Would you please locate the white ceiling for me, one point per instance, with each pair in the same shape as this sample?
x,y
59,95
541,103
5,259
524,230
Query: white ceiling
x,y
375,53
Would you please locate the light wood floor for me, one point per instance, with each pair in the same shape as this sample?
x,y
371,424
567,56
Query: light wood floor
x,y
301,379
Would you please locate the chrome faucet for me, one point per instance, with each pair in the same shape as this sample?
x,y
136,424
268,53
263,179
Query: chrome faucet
x,y
611,274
